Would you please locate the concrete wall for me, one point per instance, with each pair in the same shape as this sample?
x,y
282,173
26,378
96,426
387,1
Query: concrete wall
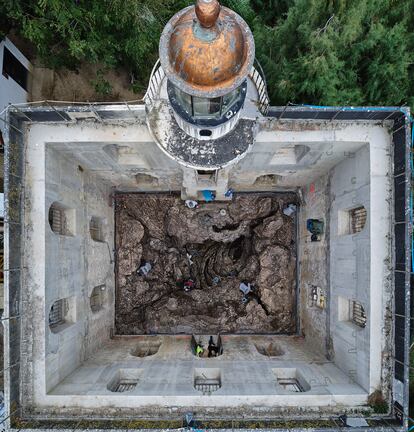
x,y
337,160
75,265
314,266
349,267
359,263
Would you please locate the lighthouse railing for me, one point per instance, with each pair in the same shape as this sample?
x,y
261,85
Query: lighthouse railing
x,y
258,77
156,78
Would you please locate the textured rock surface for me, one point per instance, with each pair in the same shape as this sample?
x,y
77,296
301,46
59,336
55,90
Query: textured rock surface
x,y
248,240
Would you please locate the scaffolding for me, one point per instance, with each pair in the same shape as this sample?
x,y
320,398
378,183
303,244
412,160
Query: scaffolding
x,y
59,112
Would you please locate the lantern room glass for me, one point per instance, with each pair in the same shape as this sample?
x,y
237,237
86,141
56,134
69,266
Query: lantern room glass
x,y
207,108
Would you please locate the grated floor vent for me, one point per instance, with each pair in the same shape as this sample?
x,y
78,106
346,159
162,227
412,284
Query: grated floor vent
x,y
207,386
125,386
290,384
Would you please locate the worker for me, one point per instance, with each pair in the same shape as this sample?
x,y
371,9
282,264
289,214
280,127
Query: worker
x,y
145,268
315,227
290,210
246,289
199,350
229,194
189,285
216,280
212,348
191,204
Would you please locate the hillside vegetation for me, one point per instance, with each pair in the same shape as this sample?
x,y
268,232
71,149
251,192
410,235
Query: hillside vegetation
x,y
328,52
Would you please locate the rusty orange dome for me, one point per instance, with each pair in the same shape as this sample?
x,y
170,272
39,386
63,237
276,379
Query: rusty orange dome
x,y
207,50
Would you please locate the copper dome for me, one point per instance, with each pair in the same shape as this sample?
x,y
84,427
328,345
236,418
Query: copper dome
x,y
207,50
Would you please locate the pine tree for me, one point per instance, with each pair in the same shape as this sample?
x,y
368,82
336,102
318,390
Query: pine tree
x,y
339,53
333,52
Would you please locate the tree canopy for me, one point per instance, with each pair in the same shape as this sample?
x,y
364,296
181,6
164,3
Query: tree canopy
x,y
327,52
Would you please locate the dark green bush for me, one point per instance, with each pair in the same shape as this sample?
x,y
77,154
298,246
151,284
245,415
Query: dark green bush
x,y
330,52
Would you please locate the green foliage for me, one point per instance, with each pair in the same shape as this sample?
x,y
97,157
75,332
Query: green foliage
x,y
102,86
344,52
330,52
243,8
377,402
271,10
110,32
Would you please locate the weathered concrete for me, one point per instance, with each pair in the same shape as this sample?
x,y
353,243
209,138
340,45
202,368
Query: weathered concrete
x,y
313,268
291,155
248,378
361,263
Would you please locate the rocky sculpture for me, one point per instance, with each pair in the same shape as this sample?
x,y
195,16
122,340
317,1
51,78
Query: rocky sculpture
x,y
217,245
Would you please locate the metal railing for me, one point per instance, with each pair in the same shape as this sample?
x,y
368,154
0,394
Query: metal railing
x,y
258,77
157,75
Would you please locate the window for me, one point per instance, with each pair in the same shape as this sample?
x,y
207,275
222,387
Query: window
x,y
352,221
230,99
358,315
96,229
352,312
124,380
204,107
125,386
207,386
57,220
96,299
208,108
57,313
357,219
62,314
61,219
207,380
185,100
290,384
14,69
291,380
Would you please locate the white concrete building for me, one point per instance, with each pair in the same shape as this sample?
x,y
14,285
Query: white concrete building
x,y
14,83
350,170
14,78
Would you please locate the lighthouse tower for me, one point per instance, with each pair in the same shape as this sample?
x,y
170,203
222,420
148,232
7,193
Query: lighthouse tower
x,y
205,93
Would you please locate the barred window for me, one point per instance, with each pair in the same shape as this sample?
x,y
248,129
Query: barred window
x,y
57,313
358,315
357,219
61,219
125,386
57,220
290,384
